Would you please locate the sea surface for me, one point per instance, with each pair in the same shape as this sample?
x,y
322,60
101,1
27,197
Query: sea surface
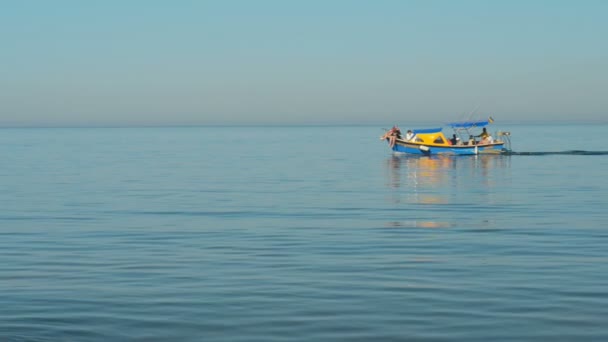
x,y
310,233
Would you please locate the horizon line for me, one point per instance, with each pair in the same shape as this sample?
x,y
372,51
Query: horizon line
x,y
280,124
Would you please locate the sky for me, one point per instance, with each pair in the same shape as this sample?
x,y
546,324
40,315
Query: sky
x,y
150,62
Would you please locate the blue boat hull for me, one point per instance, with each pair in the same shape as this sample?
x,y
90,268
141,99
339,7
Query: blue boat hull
x,y
421,149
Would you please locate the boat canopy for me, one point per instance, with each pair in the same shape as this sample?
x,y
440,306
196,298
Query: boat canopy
x,y
426,130
469,124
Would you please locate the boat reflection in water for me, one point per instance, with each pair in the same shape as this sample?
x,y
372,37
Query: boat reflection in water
x,y
428,188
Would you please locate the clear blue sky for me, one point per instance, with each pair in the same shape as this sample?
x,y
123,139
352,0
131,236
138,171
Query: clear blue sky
x,y
206,62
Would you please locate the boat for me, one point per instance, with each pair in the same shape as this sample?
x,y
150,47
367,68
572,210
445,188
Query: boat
x,y
432,141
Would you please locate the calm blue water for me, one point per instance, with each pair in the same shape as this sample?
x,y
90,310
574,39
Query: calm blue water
x,y
299,234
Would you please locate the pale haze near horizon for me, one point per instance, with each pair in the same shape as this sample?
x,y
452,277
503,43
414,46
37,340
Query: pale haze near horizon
x,y
307,62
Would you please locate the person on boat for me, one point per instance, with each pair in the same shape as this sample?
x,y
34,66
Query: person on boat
x,y
454,140
471,140
397,132
392,135
484,134
409,136
487,140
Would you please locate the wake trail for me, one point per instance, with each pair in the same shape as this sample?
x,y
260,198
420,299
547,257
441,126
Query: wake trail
x,y
569,153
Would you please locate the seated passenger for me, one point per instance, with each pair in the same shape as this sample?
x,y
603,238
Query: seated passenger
x,y
409,136
392,135
487,140
471,140
454,140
